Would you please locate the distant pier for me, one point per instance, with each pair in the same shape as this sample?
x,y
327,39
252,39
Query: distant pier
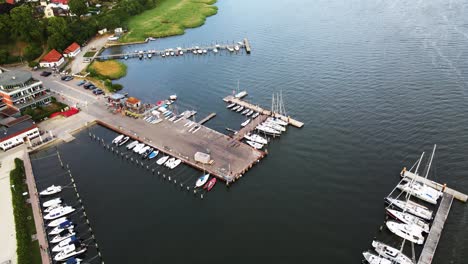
x,y
206,119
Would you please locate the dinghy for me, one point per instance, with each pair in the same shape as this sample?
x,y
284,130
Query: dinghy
x,y
52,202
57,222
59,213
411,207
70,253
254,144
373,259
391,253
405,231
210,184
246,122
408,219
117,139
62,244
65,225
202,180
123,141
51,190
169,162
162,160
132,145
62,236
153,154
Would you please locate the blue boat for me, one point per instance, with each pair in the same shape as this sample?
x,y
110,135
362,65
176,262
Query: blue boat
x,y
153,154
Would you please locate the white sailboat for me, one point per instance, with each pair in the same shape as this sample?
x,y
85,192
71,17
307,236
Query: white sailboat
x,y
268,130
256,138
411,207
277,121
405,231
373,259
254,144
391,253
408,219
202,180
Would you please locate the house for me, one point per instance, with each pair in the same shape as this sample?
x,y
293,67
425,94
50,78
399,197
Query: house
x,y
14,131
18,90
72,50
118,32
133,103
52,59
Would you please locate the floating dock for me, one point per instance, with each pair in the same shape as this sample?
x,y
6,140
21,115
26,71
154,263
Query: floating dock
x,y
232,99
206,119
456,194
433,238
249,127
247,45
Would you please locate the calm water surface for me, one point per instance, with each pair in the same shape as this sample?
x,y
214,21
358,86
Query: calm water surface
x,y
376,83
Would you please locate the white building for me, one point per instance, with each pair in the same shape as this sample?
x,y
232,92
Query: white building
x,y
72,50
52,59
16,131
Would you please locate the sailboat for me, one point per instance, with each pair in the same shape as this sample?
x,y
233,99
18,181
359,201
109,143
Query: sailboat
x,y
411,207
202,180
408,219
409,232
240,95
256,138
254,144
373,259
391,253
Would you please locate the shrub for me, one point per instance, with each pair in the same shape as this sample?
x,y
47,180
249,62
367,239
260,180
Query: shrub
x,y
33,64
31,52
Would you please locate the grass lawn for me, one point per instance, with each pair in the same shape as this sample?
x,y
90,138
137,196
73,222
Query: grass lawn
x,y
169,18
89,54
39,113
110,69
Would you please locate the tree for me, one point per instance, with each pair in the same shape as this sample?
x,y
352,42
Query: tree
x,y
5,28
32,51
59,33
24,25
78,7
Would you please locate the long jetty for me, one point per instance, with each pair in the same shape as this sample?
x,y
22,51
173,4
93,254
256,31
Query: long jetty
x,y
256,108
206,119
245,44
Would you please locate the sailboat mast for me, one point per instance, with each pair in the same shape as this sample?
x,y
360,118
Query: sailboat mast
x,y
430,161
419,163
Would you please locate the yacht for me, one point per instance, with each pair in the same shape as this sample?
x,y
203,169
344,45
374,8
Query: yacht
x,y
51,190
391,253
405,231
373,259
420,191
411,207
408,219
162,160
70,253
59,212
246,122
63,235
254,144
52,202
256,138
62,244
63,226
57,222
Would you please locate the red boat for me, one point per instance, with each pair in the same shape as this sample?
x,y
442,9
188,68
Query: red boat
x,y
209,185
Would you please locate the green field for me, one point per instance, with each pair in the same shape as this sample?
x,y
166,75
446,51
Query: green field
x,y
110,69
169,18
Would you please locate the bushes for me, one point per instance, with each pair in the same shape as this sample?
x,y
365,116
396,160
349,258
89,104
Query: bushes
x,y
27,252
32,51
6,58
41,112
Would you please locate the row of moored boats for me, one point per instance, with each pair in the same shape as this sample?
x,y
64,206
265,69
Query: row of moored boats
x,y
179,51
410,220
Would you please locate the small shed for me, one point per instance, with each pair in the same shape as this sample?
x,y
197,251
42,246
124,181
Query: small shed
x,y
133,103
118,31
202,157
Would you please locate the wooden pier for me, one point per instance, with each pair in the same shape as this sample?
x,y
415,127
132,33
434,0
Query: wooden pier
x,y
456,194
249,127
232,99
247,45
432,239
206,119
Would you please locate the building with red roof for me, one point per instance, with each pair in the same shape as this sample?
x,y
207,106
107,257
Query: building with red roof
x,y
52,59
72,50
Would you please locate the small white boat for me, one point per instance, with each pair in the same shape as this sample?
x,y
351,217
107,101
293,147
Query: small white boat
x,y
274,126
250,113
255,115
162,160
150,55
51,190
181,53
408,219
169,162
235,107
229,48
200,51
117,139
256,138
57,222
174,164
411,207
245,111
172,119
173,97
236,48
373,259
391,253
215,50
241,94
138,147
51,208
132,145
62,236
62,244
123,141
240,109
254,144
405,231
202,180
205,51
63,226
268,130
277,121
70,252
52,202
246,122
231,105
143,150
59,213
420,191
194,52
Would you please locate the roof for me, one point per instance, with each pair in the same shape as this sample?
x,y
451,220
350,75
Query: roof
x,y
132,100
72,48
9,111
52,56
9,132
117,96
14,77
63,2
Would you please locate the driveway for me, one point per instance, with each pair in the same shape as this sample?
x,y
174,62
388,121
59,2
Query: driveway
x,y
78,63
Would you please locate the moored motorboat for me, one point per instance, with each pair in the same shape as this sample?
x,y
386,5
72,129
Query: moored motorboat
x,y
117,139
63,235
169,162
153,154
138,147
202,180
408,219
240,94
230,105
173,97
246,122
255,115
250,113
76,250
51,190
245,111
51,208
373,259
52,202
61,227
143,150
209,185
147,152
236,48
409,232
162,160
132,144
59,212
240,109
235,108
254,144
256,138
391,253
174,164
411,207
57,222
123,141
62,244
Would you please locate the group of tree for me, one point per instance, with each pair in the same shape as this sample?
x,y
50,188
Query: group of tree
x,y
24,24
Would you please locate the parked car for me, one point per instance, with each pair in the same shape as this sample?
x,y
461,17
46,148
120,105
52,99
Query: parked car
x,y
46,73
92,87
86,86
64,77
81,82
69,78
98,91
